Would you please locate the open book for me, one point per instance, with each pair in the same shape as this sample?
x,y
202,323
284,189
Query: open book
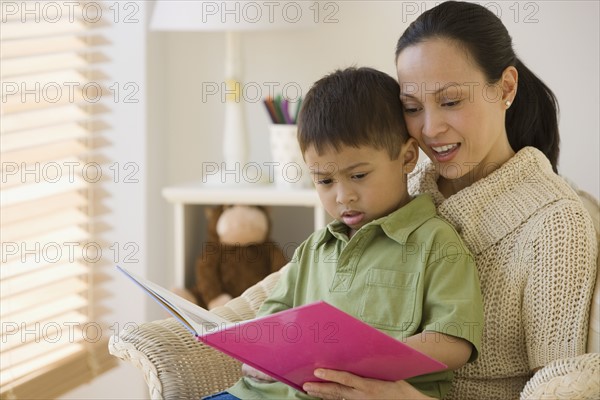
x,y
291,344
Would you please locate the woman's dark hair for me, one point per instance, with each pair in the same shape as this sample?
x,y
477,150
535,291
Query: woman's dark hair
x,y
532,119
353,107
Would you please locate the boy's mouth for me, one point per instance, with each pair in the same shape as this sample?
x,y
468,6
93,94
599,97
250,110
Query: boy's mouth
x,y
352,218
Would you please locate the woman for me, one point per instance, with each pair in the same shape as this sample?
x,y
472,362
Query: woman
x,y
489,125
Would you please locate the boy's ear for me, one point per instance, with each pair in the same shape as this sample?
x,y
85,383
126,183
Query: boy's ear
x,y
410,155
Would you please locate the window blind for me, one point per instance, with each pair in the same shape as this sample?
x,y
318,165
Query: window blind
x,y
50,133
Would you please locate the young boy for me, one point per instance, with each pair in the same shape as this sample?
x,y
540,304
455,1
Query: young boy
x,y
387,258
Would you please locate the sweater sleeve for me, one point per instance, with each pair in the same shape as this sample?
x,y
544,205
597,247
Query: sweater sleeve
x,y
562,251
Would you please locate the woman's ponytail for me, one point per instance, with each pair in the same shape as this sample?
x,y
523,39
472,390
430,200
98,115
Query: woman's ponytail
x,y
532,119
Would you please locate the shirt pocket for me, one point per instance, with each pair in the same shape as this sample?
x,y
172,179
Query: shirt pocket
x,y
389,299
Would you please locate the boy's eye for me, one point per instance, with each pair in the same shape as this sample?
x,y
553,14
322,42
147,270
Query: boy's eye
x,y
359,176
326,181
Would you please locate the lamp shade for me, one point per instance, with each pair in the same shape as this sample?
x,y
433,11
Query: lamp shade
x,y
241,15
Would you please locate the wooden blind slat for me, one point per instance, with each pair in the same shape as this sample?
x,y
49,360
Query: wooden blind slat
x,y
44,224
12,30
38,208
49,62
49,310
48,45
15,334
43,136
50,117
41,118
41,190
24,294
50,152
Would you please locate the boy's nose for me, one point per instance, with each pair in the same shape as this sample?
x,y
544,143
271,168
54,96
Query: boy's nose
x,y
345,195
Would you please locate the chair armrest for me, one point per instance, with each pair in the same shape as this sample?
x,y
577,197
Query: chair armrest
x,y
571,378
173,363
246,306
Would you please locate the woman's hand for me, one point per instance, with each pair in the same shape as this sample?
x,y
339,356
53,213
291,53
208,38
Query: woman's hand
x,y
344,385
255,374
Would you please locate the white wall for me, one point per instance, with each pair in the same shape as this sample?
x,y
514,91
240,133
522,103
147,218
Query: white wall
x,y
561,47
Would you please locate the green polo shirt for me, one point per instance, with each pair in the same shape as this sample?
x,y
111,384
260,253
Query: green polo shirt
x,y
404,273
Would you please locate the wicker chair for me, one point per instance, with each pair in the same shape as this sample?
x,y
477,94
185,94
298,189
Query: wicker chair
x,y
176,366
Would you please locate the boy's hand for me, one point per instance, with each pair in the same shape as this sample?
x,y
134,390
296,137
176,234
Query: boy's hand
x,y
255,374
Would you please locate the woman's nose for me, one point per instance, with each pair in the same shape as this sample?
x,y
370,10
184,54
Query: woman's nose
x,y
433,123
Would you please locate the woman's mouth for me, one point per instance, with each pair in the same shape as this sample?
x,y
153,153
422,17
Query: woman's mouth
x,y
445,152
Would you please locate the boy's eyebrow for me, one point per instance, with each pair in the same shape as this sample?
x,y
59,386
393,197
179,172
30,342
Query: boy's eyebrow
x,y
331,167
428,92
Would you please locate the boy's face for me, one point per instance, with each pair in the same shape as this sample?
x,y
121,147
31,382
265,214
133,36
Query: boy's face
x,y
359,185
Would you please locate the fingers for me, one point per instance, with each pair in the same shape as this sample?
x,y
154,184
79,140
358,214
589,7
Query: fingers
x,y
338,387
326,391
341,377
255,374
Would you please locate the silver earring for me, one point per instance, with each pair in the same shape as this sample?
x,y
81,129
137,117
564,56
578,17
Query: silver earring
x,y
507,102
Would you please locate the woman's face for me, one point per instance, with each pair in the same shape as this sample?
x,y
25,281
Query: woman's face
x,y
455,115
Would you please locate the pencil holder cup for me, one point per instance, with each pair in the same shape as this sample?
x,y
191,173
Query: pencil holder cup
x,y
289,170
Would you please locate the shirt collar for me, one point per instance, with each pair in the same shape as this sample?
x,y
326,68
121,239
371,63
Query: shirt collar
x,y
397,226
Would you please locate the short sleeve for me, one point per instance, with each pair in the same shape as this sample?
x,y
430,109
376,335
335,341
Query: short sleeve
x,y
282,296
453,303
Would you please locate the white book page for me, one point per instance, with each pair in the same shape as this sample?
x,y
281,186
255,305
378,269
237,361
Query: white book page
x,y
193,317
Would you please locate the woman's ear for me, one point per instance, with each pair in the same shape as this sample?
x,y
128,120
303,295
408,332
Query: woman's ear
x,y
410,155
510,82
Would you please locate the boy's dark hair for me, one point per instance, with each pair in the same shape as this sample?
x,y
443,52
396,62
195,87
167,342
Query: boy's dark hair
x,y
532,120
353,107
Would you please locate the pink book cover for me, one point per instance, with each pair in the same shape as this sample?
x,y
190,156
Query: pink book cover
x,y
291,344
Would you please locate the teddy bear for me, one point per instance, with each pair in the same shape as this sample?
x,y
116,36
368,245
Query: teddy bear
x,y
237,253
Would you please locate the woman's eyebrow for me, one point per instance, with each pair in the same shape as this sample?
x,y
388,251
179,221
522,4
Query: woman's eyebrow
x,y
427,91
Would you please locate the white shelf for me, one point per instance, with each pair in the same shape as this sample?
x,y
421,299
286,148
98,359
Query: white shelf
x,y
190,198
267,195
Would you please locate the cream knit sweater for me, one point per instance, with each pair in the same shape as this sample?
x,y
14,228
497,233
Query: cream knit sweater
x,y
535,250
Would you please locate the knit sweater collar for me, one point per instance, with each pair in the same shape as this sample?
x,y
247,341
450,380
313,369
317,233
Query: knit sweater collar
x,y
496,205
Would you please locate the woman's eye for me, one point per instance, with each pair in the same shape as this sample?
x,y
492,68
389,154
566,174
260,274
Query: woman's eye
x,y
451,103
